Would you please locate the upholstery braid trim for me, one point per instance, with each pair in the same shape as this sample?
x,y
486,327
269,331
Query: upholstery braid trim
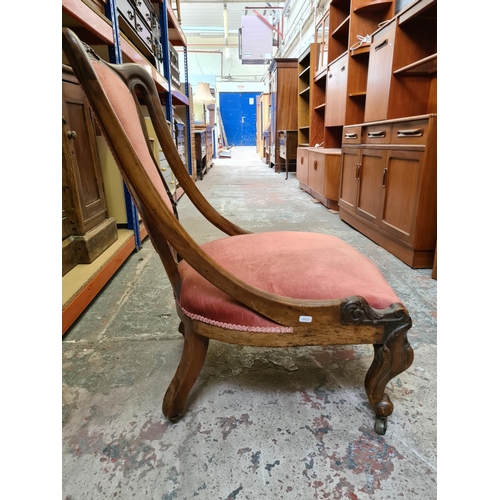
x,y
241,328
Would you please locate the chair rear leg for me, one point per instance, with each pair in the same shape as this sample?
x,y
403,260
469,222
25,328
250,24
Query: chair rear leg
x,y
192,359
391,358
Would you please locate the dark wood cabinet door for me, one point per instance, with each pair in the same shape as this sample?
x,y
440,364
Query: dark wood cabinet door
x,y
400,193
371,176
81,162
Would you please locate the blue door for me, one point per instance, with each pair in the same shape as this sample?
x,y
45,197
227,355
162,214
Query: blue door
x,y
239,117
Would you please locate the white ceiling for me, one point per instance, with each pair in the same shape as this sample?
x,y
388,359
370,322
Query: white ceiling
x,y
204,18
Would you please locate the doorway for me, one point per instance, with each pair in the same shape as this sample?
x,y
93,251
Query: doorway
x,y
239,117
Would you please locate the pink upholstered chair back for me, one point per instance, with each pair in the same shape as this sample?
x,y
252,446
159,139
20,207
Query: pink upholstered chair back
x,y
125,108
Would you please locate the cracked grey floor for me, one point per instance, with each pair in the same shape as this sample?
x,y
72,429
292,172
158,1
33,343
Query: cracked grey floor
x,y
260,422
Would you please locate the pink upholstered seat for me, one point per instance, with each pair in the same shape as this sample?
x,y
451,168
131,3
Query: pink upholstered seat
x,y
293,264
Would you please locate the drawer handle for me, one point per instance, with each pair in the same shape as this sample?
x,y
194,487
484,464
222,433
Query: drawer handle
x,y
384,177
382,45
358,170
315,164
350,135
130,15
71,134
414,132
342,68
377,133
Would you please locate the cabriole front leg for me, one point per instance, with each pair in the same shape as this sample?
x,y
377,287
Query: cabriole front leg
x,y
391,358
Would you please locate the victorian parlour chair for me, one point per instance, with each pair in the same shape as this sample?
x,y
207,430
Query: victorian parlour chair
x,y
232,289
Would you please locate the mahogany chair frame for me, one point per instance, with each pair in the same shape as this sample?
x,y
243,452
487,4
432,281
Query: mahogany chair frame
x,y
350,320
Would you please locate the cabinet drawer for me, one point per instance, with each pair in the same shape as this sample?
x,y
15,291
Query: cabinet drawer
x,y
410,132
144,11
127,11
377,134
351,135
144,33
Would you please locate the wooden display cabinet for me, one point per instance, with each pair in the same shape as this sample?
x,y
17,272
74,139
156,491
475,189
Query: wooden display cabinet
x,y
388,185
349,57
304,107
340,84
321,39
402,73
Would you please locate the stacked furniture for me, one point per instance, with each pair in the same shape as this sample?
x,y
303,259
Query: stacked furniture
x,y
204,149
373,111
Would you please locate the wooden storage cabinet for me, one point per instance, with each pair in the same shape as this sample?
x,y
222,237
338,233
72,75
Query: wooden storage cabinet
x,y
87,229
323,174
388,187
283,89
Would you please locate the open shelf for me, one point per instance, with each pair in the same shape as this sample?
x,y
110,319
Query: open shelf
x,y
363,49
367,6
426,66
304,75
358,94
342,29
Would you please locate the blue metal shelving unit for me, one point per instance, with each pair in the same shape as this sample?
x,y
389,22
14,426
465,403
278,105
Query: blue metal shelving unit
x,y
115,56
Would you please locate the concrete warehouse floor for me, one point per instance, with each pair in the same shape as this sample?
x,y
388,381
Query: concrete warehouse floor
x,y
260,423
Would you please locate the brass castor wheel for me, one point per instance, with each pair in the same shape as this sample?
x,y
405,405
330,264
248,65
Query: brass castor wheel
x,y
381,425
